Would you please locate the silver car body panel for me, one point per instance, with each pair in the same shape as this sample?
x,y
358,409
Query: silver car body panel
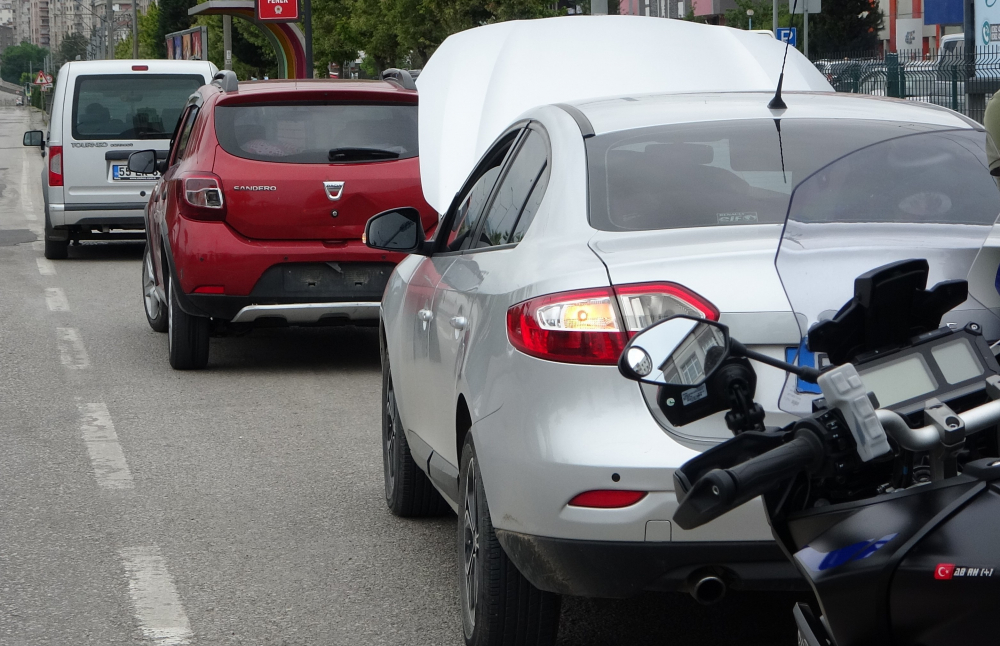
x,y
308,312
546,431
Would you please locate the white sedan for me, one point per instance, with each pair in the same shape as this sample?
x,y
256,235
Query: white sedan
x,y
582,222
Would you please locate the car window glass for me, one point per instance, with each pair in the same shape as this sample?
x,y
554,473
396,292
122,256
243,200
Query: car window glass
x,y
531,206
185,134
517,185
318,133
130,106
743,172
473,201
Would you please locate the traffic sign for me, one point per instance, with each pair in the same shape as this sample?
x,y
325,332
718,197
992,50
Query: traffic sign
x,y
788,35
42,79
277,10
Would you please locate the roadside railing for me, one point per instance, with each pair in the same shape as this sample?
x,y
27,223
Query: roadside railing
x,y
947,78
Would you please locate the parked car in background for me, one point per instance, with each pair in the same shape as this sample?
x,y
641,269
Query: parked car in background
x,y
582,223
102,111
259,214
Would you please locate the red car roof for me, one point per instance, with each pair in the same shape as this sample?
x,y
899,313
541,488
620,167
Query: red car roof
x,y
317,90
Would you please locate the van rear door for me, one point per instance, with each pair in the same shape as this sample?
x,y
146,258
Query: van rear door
x,y
108,117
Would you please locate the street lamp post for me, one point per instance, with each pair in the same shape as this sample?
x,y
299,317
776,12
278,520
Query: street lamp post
x,y
750,18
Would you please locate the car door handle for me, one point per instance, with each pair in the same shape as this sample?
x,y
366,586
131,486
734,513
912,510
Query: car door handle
x,y
459,322
425,315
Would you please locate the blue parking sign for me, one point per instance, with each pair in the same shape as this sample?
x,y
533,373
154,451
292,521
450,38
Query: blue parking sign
x,y
788,34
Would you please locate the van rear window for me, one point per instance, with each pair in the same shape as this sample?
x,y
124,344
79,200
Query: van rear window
x,y
131,106
310,133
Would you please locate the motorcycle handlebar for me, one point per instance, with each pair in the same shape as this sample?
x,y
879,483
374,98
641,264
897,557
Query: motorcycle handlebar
x,y
928,437
722,490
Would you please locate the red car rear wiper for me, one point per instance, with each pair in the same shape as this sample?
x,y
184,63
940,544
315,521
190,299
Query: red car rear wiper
x,y
361,154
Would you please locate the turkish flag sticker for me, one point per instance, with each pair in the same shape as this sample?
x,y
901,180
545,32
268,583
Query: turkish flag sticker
x,y
944,571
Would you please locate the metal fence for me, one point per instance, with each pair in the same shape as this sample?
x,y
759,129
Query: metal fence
x,y
947,78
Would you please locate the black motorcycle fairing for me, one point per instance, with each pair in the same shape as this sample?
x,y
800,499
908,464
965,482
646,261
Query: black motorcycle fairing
x,y
891,305
849,552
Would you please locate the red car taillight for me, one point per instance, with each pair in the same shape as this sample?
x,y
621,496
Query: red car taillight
x,y
201,197
55,166
592,326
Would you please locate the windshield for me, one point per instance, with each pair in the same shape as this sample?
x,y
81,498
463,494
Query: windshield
x,y
918,195
318,133
131,106
743,172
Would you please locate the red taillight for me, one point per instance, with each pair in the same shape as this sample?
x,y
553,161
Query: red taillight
x,y
592,326
607,498
201,197
210,289
140,68
572,327
55,166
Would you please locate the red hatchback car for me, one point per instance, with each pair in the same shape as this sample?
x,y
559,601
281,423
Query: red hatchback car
x,y
259,214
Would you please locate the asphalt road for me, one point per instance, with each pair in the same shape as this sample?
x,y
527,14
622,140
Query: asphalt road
x,y
239,505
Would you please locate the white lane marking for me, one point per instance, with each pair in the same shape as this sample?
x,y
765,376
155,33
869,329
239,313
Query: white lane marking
x,y
157,605
56,299
38,245
106,456
72,353
46,267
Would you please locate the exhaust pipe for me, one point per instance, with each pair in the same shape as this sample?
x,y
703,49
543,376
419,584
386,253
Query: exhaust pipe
x,y
708,590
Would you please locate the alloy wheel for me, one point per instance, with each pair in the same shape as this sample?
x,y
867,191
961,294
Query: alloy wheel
x,y
470,523
391,415
150,300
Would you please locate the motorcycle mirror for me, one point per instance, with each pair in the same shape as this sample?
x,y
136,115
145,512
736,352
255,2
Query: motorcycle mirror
x,y
678,351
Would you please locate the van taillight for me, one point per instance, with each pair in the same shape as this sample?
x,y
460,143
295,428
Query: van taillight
x,y
201,197
592,326
55,166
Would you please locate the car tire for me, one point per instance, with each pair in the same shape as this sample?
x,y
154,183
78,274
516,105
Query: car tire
x,y
408,491
499,606
56,249
187,335
156,312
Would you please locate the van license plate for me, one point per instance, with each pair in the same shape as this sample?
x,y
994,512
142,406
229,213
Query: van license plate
x,y
120,172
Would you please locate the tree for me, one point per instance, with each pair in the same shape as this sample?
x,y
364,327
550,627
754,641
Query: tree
x,y
172,16
845,26
72,45
21,59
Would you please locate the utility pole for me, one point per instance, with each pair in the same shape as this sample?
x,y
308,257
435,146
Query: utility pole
x,y
774,19
307,24
135,29
805,30
227,41
109,22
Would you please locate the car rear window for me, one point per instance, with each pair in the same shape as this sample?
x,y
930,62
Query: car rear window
x,y
743,172
131,106
318,133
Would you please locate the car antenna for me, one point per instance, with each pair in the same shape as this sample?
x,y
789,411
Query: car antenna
x,y
776,103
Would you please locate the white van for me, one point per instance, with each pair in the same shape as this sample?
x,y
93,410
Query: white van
x,y
101,112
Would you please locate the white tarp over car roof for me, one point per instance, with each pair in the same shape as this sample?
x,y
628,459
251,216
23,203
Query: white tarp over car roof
x,y
480,80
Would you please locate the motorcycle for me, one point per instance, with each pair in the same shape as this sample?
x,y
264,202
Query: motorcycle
x,y
884,490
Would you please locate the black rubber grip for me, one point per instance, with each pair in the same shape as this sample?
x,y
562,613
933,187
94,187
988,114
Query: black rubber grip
x,y
721,490
758,475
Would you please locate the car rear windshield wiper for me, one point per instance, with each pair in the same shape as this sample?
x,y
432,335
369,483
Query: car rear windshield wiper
x,y
361,154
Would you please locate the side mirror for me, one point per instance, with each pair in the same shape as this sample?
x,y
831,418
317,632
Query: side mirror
x,y
34,138
143,161
397,230
678,351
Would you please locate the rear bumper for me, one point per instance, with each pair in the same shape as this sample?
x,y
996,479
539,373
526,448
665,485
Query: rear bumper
x,y
246,309
127,215
608,569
